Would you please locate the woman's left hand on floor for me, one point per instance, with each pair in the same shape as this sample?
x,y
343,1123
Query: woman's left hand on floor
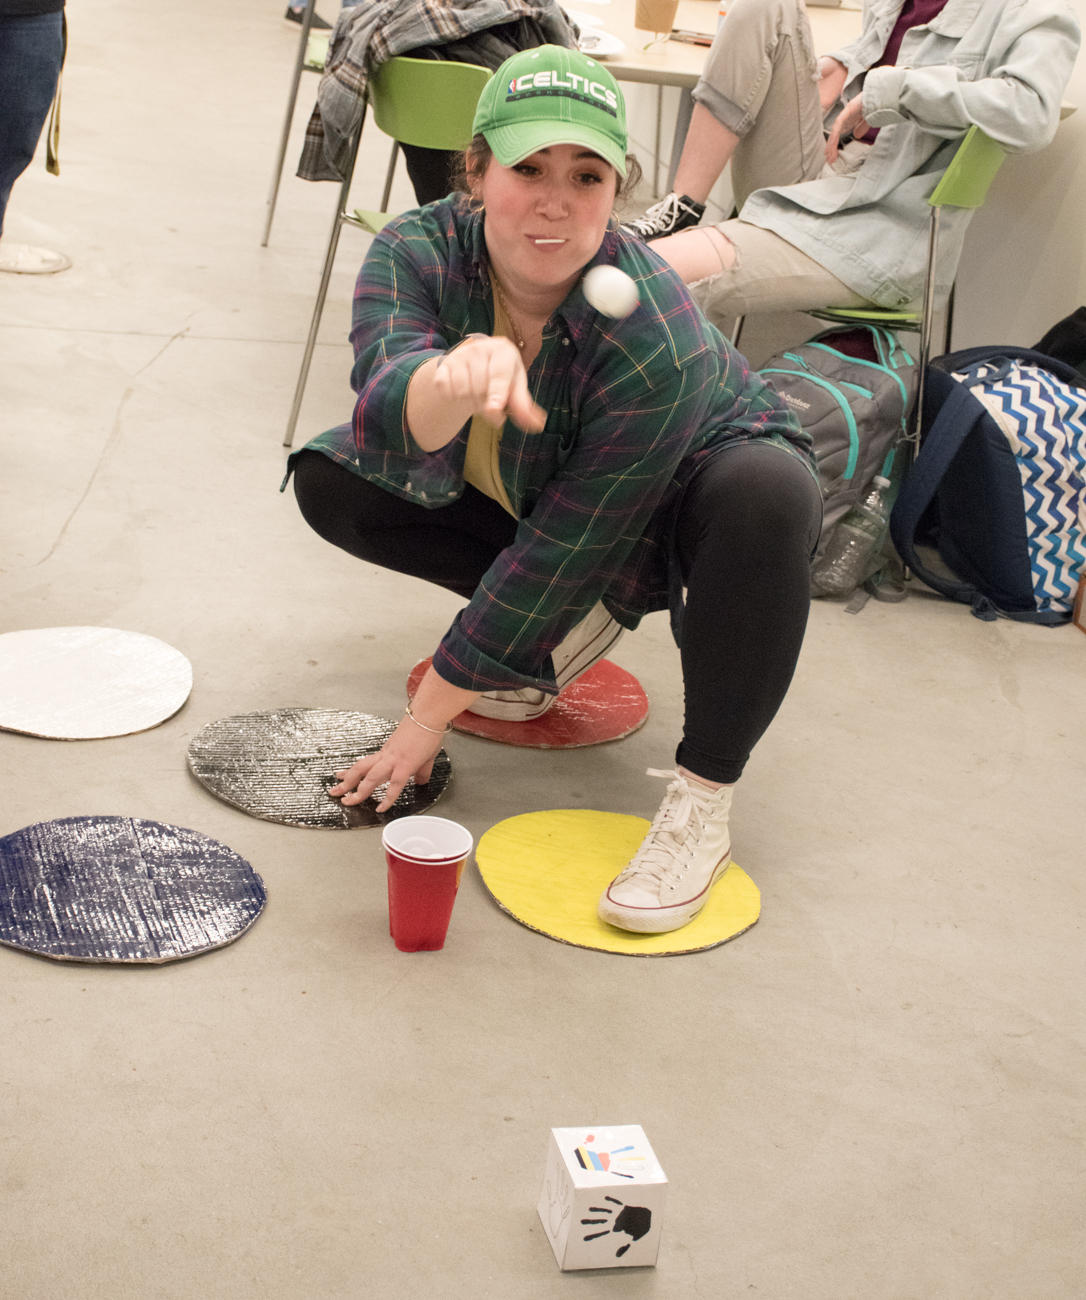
x,y
411,749
409,752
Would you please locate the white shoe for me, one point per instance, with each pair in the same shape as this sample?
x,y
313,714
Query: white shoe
x,y
687,850
23,259
512,706
593,637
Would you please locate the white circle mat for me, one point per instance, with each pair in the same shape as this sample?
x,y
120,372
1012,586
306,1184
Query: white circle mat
x,y
86,683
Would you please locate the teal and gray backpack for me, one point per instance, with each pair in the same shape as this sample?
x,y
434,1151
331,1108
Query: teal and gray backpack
x,y
854,410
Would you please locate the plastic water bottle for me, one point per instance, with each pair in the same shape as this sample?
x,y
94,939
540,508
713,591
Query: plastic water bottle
x,y
856,541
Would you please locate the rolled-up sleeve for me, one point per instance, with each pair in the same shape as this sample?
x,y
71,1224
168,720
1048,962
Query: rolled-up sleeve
x,y
1017,104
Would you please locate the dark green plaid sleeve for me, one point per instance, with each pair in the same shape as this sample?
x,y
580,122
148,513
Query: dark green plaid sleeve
x,y
636,422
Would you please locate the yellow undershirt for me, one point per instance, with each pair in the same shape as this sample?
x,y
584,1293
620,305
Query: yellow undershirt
x,y
481,462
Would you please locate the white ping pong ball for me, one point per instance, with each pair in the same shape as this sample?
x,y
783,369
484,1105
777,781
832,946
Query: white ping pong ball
x,y
610,291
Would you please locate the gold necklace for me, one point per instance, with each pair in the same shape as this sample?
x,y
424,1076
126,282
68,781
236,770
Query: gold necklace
x,y
518,337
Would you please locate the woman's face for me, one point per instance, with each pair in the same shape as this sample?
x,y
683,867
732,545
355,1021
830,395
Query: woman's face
x,y
546,216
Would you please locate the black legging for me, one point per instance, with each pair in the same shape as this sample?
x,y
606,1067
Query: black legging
x,y
747,525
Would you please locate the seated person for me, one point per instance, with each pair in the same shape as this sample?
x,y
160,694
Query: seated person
x,y
566,473
842,222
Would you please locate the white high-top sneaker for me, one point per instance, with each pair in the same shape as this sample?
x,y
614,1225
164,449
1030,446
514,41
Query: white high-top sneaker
x,y
593,637
687,850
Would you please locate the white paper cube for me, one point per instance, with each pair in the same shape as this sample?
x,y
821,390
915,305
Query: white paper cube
x,y
602,1204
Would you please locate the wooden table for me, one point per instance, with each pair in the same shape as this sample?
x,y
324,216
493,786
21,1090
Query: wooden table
x,y
671,63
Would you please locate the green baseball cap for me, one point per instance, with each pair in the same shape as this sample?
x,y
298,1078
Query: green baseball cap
x,y
551,95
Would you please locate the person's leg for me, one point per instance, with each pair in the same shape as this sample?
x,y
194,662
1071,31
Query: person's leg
x,y
31,51
451,546
736,267
431,171
756,106
296,14
760,88
761,83
747,526
707,151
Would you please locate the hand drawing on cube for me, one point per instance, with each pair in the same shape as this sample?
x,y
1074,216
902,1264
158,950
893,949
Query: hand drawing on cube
x,y
603,1198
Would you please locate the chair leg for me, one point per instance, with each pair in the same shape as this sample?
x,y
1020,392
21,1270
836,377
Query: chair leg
x,y
656,147
737,331
393,156
322,292
292,99
948,327
925,326
678,140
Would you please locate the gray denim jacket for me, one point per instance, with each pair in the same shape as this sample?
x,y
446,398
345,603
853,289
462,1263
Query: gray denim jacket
x,y
1000,64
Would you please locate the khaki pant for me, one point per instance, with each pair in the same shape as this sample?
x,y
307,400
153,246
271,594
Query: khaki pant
x,y
761,82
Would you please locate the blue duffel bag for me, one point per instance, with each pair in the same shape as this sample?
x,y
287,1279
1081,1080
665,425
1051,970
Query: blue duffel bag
x,y
999,486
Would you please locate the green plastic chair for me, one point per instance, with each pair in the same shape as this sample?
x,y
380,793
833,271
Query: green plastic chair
x,y
316,51
964,184
426,102
414,107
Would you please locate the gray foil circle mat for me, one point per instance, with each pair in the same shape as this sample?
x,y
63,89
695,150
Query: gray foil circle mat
x,y
120,889
280,765
86,683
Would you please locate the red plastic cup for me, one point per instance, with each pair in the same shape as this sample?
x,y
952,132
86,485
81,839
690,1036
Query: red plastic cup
x,y
425,857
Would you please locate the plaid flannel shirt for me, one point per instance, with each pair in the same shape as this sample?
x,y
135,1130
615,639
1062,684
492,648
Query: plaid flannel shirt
x,y
634,407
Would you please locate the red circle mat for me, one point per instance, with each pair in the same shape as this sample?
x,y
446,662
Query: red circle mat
x,y
607,703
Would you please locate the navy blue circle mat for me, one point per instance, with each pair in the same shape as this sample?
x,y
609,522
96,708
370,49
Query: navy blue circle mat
x,y
121,889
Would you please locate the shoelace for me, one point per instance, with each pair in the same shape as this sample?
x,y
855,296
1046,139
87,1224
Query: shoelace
x,y
659,217
658,858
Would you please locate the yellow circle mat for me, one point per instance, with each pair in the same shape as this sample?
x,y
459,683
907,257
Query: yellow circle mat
x,y
548,870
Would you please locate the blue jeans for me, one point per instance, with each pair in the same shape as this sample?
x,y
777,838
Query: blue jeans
x,y
31,52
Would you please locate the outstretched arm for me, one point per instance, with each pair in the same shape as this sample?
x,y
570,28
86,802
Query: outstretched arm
x,y
483,376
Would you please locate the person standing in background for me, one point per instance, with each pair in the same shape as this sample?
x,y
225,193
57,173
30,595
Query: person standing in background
x,y
32,42
296,14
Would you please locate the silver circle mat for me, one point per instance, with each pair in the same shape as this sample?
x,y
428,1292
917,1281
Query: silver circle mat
x,y
86,683
280,765
121,889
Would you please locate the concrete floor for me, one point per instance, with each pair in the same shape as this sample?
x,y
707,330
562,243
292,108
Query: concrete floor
x,y
872,1094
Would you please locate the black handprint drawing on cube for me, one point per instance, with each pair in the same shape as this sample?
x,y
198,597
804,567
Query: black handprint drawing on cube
x,y
603,1197
633,1219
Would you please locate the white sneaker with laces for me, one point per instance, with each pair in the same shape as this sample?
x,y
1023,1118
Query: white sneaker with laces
x,y
687,850
593,637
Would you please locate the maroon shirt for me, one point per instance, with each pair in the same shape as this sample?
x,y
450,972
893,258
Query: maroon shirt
x,y
914,13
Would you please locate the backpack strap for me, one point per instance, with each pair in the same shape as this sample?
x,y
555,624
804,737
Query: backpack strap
x,y
970,357
958,414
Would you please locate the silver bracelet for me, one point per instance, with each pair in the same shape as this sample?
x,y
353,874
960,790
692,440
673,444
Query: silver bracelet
x,y
433,730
